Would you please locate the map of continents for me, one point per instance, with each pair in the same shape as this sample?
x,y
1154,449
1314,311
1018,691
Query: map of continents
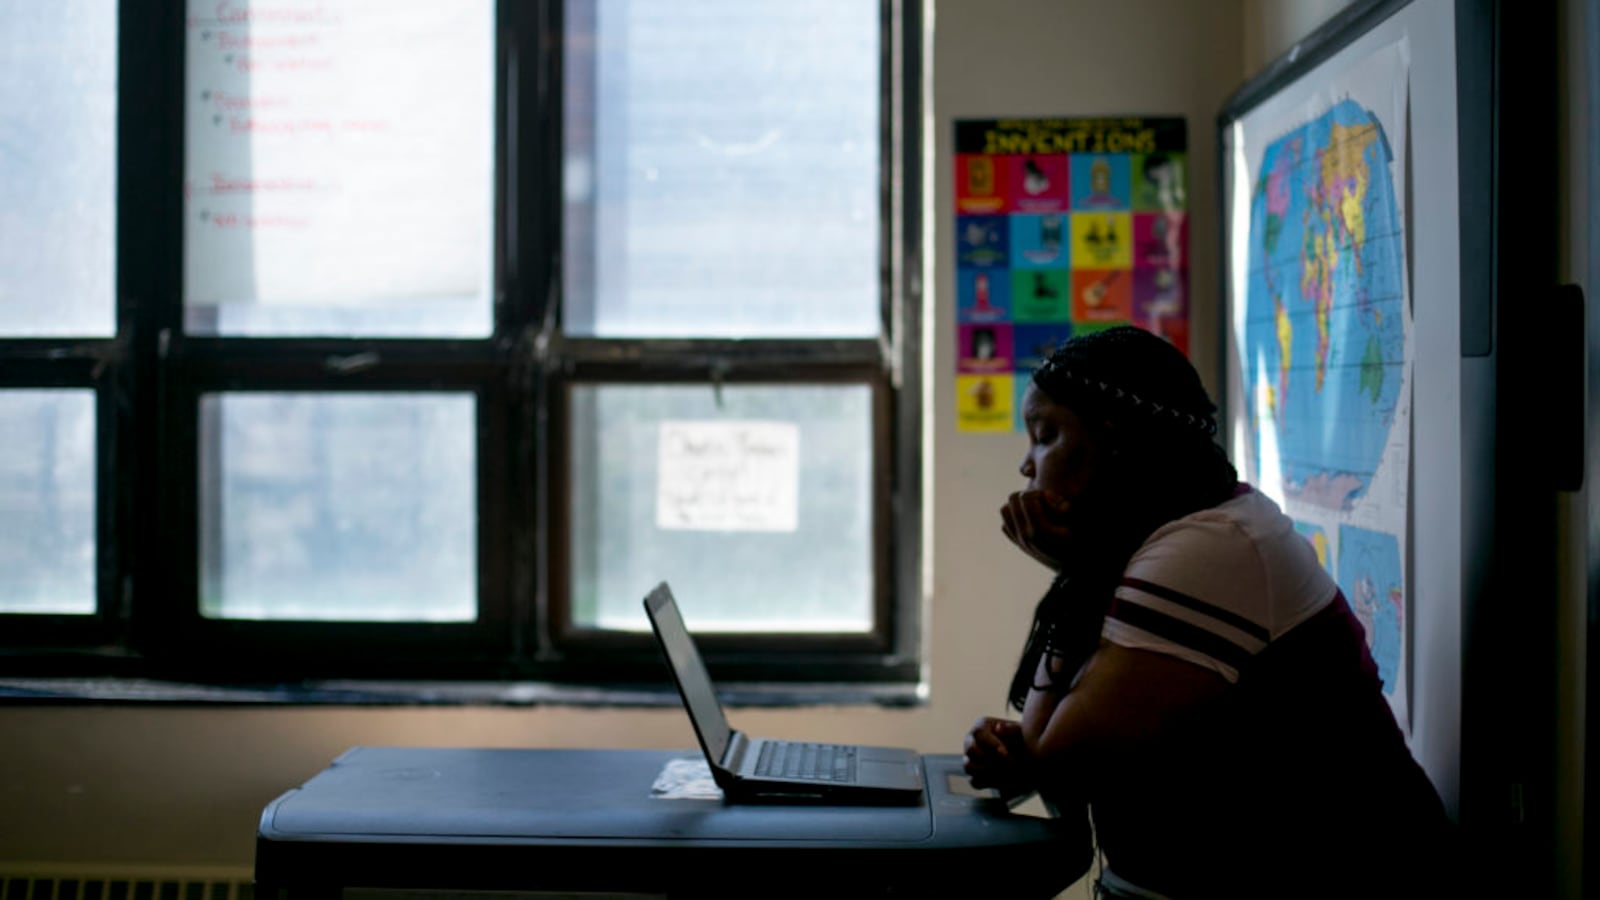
x,y
1324,338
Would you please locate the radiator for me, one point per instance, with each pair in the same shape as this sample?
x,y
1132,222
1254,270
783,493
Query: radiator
x,y
44,883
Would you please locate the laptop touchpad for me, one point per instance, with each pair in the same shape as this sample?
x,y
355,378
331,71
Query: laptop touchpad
x,y
895,773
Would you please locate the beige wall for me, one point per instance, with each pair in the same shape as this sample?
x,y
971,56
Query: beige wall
x,y
136,785
1273,26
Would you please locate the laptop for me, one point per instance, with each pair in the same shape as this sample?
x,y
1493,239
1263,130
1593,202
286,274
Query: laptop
x,y
750,769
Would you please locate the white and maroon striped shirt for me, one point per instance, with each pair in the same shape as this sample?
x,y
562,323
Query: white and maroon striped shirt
x,y
1300,758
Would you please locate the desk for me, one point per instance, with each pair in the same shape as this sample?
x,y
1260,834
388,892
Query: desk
x,y
460,821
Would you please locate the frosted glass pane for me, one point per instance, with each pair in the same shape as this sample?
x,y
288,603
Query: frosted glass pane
x,y
47,502
58,143
339,168
757,509
722,169
350,507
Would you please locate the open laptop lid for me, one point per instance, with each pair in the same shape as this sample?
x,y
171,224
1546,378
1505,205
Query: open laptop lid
x,y
689,671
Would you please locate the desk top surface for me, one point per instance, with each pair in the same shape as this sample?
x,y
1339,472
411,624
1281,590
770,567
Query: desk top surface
x,y
585,796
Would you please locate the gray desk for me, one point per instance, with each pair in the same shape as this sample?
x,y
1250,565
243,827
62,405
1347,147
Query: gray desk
x,y
574,822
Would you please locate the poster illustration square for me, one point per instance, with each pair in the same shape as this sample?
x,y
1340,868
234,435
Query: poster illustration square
x,y
1102,181
980,184
1037,183
1102,295
983,241
1102,240
1041,295
1159,182
1039,241
984,349
1033,343
1161,240
983,295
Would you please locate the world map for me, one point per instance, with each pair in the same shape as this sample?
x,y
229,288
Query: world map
x,y
1324,335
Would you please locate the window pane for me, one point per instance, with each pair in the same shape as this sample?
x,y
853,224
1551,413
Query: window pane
x,y
350,507
339,168
47,502
721,172
58,143
756,508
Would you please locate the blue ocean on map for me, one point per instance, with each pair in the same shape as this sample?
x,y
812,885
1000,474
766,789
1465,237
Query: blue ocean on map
x,y
1370,576
1324,341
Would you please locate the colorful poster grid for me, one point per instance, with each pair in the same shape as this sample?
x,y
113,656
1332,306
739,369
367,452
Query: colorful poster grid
x,y
1063,226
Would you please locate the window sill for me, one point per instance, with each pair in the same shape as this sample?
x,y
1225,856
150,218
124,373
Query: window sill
x,y
95,691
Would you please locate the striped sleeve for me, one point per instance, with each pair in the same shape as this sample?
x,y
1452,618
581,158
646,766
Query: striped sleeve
x,y
1146,616
1197,592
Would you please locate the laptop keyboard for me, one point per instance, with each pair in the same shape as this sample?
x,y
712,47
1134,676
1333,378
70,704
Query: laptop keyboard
x,y
813,762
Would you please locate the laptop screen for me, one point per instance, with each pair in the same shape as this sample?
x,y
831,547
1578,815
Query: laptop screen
x,y
694,682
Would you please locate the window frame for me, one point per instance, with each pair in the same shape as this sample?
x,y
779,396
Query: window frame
x,y
149,379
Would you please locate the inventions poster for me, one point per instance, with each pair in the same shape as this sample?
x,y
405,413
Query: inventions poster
x,y
1062,226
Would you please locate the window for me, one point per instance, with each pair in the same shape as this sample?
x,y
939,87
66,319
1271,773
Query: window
x,y
338,345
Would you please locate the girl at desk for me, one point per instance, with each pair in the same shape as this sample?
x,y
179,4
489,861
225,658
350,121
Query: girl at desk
x,y
1192,677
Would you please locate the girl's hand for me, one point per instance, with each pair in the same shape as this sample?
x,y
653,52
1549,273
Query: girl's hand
x,y
996,757
1036,521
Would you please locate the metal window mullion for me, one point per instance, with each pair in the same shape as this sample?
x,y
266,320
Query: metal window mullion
x,y
149,259
30,367
529,314
784,360
890,270
311,364
907,387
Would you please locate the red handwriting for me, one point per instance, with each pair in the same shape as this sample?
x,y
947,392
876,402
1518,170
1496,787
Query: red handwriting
x,y
237,13
247,63
246,101
225,184
228,40
253,125
237,220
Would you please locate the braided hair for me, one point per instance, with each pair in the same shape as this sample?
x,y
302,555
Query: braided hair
x,y
1141,397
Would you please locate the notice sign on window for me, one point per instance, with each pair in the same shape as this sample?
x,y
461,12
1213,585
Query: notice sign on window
x,y
728,476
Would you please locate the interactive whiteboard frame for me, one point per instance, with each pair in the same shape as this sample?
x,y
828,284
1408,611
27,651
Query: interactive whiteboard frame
x,y
1480,241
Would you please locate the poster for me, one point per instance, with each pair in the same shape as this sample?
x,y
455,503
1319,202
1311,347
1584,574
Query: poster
x,y
1062,226
1323,332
